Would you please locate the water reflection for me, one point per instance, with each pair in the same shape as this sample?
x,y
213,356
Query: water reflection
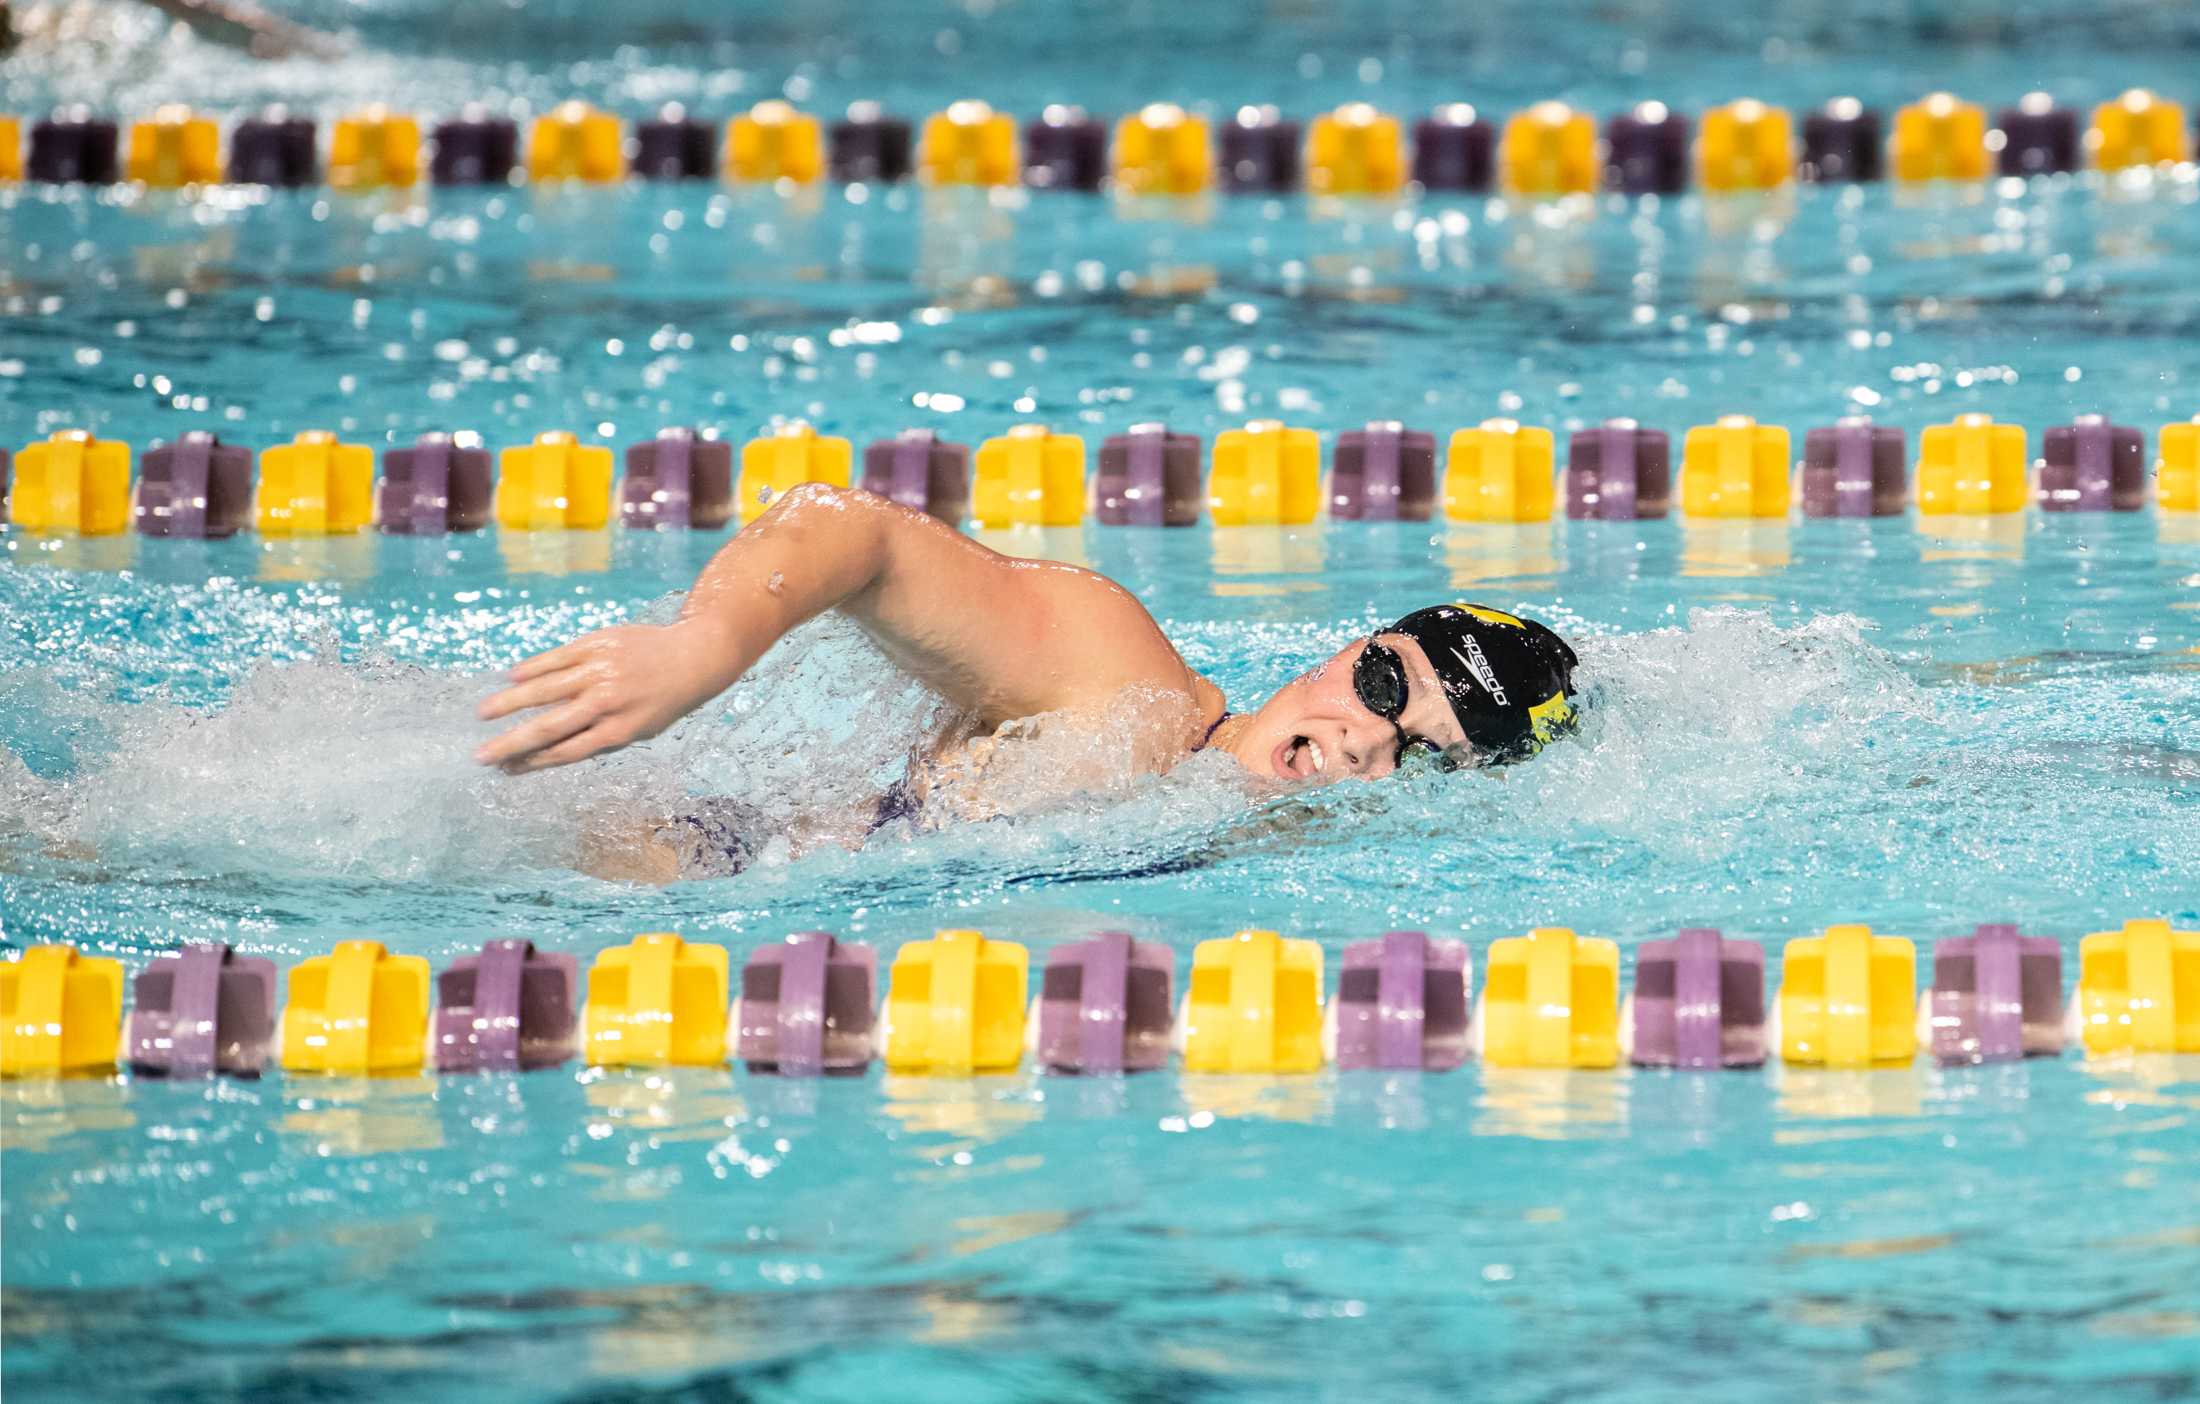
x,y
1546,242
555,552
951,1318
1208,1097
345,1116
673,553
1552,1104
778,236
181,561
1846,1094
2179,528
1927,199
1988,1089
1753,220
2144,1079
1999,537
294,559
197,263
423,557
1726,550
70,552
1693,1108
969,1112
663,1104
43,1115
1479,552
966,245
668,1339
1182,211
1254,556
1386,1101
581,230
1353,272
2137,205
1100,1098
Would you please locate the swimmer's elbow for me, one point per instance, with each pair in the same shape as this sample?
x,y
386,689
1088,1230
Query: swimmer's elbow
x,y
810,501
857,520
846,520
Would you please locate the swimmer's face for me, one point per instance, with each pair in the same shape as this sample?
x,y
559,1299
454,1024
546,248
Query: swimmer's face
x,y
1317,728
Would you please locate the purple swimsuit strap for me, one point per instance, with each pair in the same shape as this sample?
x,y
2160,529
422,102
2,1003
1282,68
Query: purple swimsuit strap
x,y
1226,715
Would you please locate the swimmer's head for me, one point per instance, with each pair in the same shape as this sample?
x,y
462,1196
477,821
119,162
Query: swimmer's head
x,y
1466,684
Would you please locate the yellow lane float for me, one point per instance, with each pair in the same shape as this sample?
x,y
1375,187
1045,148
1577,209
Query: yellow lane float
x,y
1848,999
1940,138
315,486
1162,150
955,1006
1745,145
968,144
771,142
2138,990
1550,999
1549,149
1029,476
1735,468
1971,467
658,1001
1254,1006
556,483
1355,150
783,460
2138,129
2177,471
1265,474
72,483
1500,471
574,141
174,148
373,150
60,1013
356,1010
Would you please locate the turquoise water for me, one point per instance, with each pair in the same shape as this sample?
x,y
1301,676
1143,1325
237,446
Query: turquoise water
x,y
1919,726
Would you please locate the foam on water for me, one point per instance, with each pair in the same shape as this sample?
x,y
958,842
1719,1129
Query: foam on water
x,y
364,768
1691,731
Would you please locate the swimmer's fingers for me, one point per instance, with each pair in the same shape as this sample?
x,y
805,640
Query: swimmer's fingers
x,y
579,651
538,733
581,747
537,691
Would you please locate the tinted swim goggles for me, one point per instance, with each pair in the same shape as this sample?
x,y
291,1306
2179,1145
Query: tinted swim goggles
x,y
1379,678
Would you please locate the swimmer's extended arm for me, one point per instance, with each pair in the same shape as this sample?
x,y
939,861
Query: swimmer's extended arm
x,y
997,636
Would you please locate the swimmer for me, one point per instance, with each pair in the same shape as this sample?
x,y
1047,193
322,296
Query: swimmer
x,y
1007,640
233,24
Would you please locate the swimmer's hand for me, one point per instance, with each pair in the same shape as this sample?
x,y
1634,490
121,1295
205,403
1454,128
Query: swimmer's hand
x,y
602,691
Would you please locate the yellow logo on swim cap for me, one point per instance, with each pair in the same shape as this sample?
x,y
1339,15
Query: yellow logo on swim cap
x,y
1550,716
1490,616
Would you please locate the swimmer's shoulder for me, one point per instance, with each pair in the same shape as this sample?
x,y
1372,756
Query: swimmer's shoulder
x,y
1122,643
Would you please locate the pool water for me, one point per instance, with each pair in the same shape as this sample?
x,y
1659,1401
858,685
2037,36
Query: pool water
x,y
1921,725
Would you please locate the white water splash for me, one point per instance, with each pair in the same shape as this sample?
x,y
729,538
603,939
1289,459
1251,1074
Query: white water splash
x,y
365,769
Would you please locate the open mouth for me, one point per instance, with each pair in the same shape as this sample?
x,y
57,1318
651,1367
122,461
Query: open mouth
x,y
1299,758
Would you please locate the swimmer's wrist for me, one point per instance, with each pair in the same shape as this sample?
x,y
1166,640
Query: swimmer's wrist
x,y
716,650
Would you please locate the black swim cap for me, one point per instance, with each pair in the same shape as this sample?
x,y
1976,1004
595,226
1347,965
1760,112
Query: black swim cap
x,y
1510,680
